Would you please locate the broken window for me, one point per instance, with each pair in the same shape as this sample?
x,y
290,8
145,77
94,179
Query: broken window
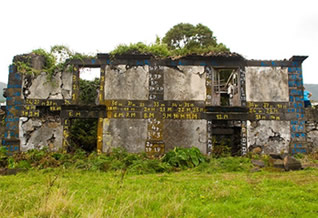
x,y
225,89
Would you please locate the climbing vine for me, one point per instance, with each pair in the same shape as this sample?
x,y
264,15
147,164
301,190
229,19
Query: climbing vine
x,y
57,60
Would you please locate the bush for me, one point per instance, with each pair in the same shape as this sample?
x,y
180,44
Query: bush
x,y
184,157
120,160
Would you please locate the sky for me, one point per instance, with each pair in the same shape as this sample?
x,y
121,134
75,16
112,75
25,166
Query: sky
x,y
267,30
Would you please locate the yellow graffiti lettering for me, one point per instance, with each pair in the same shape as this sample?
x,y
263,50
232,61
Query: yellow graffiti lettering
x,y
151,115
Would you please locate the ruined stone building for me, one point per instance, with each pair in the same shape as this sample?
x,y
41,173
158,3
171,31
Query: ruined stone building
x,y
152,105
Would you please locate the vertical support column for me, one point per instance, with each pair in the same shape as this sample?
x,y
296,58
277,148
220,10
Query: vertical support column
x,y
75,85
100,135
13,111
156,78
298,142
66,132
209,137
243,104
242,87
154,145
101,97
244,137
101,100
208,85
216,96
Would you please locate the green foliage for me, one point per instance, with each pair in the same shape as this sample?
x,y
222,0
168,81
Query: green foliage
x,y
221,147
185,38
83,134
57,60
49,59
25,68
118,159
184,157
158,49
88,91
181,40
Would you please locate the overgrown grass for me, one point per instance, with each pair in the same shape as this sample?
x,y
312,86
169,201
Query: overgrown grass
x,y
77,193
182,184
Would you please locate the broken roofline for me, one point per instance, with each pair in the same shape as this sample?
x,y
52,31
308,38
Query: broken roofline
x,y
218,60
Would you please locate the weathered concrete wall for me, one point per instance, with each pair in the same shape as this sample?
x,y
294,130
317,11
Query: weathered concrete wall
x,y
267,84
271,136
185,133
40,133
151,103
184,83
39,87
312,135
125,133
124,82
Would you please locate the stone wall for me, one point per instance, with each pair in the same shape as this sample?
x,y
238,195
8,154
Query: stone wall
x,y
312,128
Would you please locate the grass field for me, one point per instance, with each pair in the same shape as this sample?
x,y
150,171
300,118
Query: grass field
x,y
189,193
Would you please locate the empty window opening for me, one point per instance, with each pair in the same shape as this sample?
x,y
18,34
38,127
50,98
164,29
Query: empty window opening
x,y
89,86
226,87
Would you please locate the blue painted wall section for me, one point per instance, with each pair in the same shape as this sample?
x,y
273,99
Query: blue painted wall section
x,y
13,109
297,124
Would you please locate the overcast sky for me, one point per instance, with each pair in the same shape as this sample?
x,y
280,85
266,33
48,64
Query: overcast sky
x,y
256,29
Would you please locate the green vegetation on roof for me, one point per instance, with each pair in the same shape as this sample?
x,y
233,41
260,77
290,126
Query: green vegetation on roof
x,y
181,40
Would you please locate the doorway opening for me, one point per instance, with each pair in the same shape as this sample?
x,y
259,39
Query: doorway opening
x,y
226,139
83,134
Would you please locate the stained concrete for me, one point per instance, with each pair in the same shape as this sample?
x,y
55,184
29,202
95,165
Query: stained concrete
x,y
60,87
130,134
125,82
37,134
271,136
184,83
185,133
266,84
312,135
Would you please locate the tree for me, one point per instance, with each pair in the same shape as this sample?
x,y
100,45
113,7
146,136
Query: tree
x,y
188,38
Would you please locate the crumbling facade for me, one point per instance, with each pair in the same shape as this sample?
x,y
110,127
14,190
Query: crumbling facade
x,y
153,105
